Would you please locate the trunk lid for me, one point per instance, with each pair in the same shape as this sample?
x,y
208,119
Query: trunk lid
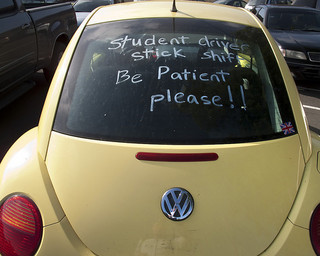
x,y
113,200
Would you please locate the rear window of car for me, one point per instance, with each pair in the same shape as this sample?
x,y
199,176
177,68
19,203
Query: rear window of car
x,y
174,81
294,19
88,6
256,2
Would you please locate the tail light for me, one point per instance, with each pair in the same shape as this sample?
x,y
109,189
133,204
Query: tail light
x,y
315,230
20,227
174,157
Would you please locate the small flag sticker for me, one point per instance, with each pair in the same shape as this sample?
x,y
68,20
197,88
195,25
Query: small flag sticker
x,y
287,128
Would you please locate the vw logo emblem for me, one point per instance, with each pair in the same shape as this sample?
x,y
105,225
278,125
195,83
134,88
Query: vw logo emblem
x,y
177,204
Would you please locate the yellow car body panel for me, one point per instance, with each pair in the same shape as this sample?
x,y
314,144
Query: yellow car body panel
x,y
186,9
307,198
292,240
241,200
23,171
96,205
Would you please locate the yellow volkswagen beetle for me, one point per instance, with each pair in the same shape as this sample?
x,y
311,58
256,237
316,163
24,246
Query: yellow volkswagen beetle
x,y
168,129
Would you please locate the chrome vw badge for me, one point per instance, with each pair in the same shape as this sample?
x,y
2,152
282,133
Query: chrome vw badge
x,y
177,204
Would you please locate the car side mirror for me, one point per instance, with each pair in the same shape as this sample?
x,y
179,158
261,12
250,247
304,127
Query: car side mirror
x,y
6,6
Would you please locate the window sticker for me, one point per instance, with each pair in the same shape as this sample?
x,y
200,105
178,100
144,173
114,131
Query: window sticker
x,y
287,128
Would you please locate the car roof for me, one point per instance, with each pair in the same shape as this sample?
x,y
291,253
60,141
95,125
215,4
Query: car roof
x,y
161,9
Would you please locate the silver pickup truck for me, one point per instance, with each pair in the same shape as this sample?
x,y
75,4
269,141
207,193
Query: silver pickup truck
x,y
31,39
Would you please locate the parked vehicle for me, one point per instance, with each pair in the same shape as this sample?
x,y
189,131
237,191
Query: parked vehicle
x,y
84,7
253,3
236,3
37,3
307,3
31,39
167,130
297,32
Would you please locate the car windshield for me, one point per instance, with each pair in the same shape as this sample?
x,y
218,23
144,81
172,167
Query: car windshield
x,y
221,2
88,6
279,2
174,81
284,19
256,2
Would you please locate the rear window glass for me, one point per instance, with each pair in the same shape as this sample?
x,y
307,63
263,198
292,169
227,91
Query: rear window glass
x,y
174,81
256,2
294,19
88,6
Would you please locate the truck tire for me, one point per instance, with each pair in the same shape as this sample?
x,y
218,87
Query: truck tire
x,y
57,54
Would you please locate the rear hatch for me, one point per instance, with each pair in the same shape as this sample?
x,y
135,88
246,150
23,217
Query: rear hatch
x,y
175,86
113,200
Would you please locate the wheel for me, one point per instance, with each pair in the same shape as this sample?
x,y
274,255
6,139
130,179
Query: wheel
x,y
57,54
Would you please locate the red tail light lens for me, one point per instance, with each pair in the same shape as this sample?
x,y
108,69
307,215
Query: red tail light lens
x,y
20,227
315,230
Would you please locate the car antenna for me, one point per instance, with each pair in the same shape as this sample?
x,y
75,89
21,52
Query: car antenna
x,y
174,8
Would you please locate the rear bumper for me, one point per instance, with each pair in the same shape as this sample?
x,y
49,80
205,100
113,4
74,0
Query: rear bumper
x,y
60,239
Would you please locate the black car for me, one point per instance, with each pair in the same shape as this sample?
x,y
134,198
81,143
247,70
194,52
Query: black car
x,y
309,3
253,3
84,7
297,32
